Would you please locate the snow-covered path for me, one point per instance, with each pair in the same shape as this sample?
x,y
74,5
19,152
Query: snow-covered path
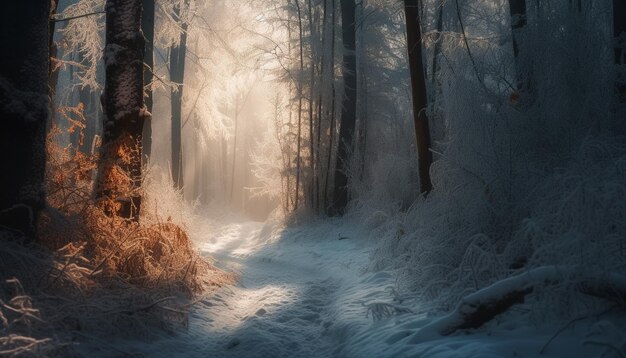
x,y
304,292
301,292
285,303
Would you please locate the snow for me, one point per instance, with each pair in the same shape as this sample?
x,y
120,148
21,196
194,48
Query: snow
x,y
305,291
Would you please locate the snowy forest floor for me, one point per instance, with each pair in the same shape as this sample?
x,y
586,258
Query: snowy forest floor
x,y
305,291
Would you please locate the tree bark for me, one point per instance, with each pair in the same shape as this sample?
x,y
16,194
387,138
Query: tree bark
x,y
348,112
177,75
147,27
331,136
24,99
418,92
53,73
232,173
300,94
119,176
89,132
619,31
523,73
311,181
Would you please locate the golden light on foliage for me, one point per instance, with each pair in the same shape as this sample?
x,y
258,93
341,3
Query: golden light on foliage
x,y
98,273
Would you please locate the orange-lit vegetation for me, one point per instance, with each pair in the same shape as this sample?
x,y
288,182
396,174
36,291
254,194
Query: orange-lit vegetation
x,y
93,272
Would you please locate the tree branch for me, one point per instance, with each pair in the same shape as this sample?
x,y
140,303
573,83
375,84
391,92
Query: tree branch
x,y
52,19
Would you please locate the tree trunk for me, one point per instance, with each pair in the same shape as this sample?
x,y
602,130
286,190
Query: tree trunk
x,y
418,92
480,307
348,111
89,132
232,174
300,94
24,69
320,99
523,74
177,75
619,31
332,130
53,70
147,27
436,52
311,181
119,177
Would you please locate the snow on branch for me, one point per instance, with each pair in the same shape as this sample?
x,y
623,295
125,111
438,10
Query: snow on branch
x,y
482,306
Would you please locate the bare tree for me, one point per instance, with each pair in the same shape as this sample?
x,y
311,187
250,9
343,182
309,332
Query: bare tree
x,y
147,27
119,174
619,31
418,92
300,95
523,72
178,53
348,112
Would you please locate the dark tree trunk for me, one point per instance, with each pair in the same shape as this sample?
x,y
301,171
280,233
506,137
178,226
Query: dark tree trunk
x,y
147,27
436,52
24,99
418,92
522,69
89,132
119,176
348,111
619,31
311,181
331,137
53,70
177,75
300,94
324,79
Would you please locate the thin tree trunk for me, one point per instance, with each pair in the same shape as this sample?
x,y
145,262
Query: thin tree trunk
x,y
24,95
53,70
523,74
300,94
224,163
119,177
232,175
320,100
348,111
177,75
332,107
418,92
619,31
437,51
147,27
311,104
89,132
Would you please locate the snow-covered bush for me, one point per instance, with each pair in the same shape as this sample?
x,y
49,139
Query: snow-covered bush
x,y
517,185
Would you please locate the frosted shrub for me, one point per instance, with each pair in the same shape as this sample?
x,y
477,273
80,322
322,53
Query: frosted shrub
x,y
516,186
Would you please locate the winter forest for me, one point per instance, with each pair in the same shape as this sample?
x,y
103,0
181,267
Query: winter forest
x,y
313,178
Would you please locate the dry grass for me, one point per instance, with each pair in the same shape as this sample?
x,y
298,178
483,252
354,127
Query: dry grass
x,y
93,275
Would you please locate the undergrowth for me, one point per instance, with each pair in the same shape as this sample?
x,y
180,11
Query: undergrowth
x,y
91,275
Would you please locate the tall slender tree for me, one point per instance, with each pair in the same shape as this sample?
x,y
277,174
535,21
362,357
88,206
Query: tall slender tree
x,y
178,53
300,98
619,31
418,93
24,99
119,174
331,112
53,72
522,70
147,27
348,111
